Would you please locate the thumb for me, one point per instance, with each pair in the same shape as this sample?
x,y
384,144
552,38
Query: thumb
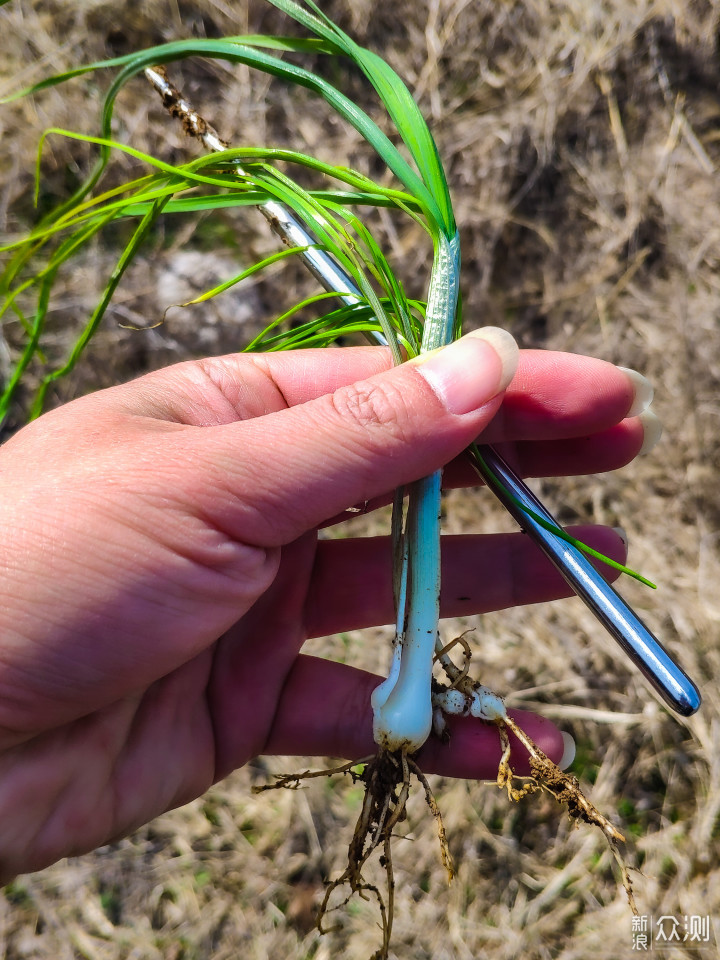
x,y
289,470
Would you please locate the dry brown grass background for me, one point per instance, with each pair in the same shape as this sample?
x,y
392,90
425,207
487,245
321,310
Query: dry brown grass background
x,y
582,141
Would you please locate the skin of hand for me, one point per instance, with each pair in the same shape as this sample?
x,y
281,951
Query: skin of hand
x,y
161,567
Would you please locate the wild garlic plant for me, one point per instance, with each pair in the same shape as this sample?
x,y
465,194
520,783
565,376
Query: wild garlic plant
x,y
377,304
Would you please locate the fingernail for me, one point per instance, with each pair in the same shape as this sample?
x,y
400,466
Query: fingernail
x,y
652,430
568,753
643,389
621,533
472,370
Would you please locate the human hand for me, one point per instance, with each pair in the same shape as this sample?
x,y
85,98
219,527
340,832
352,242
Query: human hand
x,y
161,566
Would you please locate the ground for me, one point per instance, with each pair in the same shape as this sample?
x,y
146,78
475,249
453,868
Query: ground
x,y
582,142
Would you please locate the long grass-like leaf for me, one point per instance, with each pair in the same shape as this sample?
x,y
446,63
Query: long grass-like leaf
x,y
238,52
255,198
396,98
126,259
249,272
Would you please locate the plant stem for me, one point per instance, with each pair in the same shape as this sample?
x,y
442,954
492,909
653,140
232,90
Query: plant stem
x,y
403,711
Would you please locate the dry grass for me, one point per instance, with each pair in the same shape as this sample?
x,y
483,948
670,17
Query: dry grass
x,y
582,141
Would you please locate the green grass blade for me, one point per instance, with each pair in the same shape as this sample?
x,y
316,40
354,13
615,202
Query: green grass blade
x,y
240,53
31,347
125,260
396,98
250,198
263,341
249,272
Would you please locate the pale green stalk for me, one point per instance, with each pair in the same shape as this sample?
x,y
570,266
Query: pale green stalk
x,y
403,704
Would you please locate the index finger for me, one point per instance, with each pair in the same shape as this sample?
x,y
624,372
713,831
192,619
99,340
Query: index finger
x,y
553,395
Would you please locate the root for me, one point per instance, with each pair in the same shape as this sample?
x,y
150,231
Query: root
x,y
387,778
565,788
505,776
455,674
387,786
292,781
545,775
445,854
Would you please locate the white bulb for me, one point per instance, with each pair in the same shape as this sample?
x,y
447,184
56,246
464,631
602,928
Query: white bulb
x,y
487,705
403,720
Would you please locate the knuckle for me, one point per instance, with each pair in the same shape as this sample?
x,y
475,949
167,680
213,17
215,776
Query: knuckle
x,y
373,406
